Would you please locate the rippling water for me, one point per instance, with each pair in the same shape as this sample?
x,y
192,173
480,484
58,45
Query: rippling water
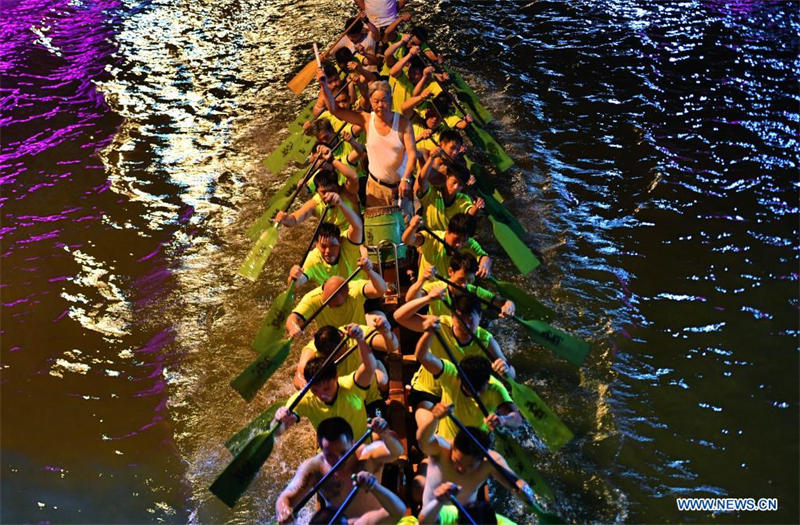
x,y
657,149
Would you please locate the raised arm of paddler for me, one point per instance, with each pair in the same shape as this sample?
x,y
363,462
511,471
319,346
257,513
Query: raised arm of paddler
x,y
415,100
393,507
384,340
376,286
333,82
424,175
397,69
388,55
411,235
387,449
355,231
423,353
408,316
416,289
428,442
366,370
389,31
354,117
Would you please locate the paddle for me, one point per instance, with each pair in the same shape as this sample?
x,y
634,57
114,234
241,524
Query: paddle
x,y
296,509
345,503
299,82
297,145
272,325
463,88
284,197
256,374
544,422
561,343
527,305
529,498
252,446
261,423
479,137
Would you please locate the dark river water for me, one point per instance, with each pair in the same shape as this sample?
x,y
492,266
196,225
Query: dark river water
x,y
656,145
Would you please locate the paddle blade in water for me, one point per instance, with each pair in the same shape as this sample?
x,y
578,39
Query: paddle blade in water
x,y
272,326
260,424
520,255
527,305
303,78
544,422
237,476
466,91
276,160
561,343
259,254
517,459
306,114
482,139
256,374
279,202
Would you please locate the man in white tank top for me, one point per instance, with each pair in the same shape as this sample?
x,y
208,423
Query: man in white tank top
x,y
381,12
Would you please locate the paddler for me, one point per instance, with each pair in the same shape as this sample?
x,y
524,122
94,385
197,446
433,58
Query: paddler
x,y
440,194
381,12
459,461
334,395
328,192
460,338
348,305
327,339
372,504
457,237
461,271
391,151
478,371
333,253
393,506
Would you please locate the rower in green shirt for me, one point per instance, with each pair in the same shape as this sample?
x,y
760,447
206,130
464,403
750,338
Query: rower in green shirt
x,y
460,271
457,238
333,253
459,332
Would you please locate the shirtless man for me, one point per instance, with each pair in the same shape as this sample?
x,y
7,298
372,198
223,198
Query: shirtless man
x,y
391,502
335,437
460,461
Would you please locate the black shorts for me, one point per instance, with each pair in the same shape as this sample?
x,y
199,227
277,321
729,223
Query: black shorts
x,y
415,397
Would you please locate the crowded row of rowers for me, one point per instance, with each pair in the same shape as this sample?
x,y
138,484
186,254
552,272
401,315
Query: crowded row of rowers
x,y
451,395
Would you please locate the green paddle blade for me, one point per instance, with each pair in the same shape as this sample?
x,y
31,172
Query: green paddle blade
x,y
272,325
278,202
561,343
281,155
256,374
482,139
260,424
466,92
522,256
237,476
527,305
306,114
259,253
483,178
517,459
544,422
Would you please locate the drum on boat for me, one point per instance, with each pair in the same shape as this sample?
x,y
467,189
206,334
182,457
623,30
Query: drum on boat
x,y
383,229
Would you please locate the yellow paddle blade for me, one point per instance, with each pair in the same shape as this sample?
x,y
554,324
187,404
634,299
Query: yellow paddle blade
x,y
259,253
303,78
544,422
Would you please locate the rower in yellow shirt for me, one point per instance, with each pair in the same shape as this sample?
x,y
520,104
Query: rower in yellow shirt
x,y
345,308
461,332
457,238
334,395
